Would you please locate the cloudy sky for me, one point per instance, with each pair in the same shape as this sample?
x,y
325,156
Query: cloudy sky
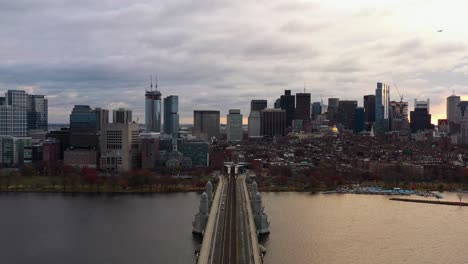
x,y
218,54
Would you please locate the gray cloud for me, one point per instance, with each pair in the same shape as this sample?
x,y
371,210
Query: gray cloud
x,y
214,54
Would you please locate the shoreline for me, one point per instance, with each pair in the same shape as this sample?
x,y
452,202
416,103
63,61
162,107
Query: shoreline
x,y
155,191
429,201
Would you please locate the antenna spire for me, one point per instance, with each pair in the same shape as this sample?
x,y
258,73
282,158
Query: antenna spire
x,y
151,81
156,82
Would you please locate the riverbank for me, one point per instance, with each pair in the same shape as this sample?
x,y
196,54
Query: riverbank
x,y
53,184
429,201
131,191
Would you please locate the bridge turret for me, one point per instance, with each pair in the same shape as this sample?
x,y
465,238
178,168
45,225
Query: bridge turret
x,y
201,218
209,190
204,204
253,189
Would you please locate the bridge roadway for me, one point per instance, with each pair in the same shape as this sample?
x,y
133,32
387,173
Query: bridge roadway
x,y
231,238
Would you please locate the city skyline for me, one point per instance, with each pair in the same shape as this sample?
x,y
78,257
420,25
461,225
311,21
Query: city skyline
x,y
306,43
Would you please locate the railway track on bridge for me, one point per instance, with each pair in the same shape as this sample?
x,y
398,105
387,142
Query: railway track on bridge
x,y
229,230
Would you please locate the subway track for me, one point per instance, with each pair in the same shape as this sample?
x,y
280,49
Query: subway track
x,y
232,242
228,229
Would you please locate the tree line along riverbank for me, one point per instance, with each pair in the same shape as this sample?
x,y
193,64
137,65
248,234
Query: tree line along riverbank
x,y
87,180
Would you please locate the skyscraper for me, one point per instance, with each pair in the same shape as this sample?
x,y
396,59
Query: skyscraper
x,y
206,124
399,117
258,105
255,118
359,119
84,127
420,117
273,122
382,107
254,124
20,113
102,117
316,110
347,114
234,125
463,113
332,109
171,115
369,108
452,104
277,103
303,107
153,109
37,112
122,116
287,102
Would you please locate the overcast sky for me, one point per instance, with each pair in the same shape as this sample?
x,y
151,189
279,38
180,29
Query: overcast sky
x,y
221,54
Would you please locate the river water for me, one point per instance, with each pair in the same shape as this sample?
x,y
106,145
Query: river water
x,y
305,228
362,229
57,228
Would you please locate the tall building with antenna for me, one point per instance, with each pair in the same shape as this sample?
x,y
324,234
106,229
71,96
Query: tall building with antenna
x,y
453,116
153,108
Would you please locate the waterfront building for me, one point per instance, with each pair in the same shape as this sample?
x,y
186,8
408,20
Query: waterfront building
x,y
171,115
81,158
51,151
287,102
254,124
21,113
303,107
346,113
122,116
63,136
84,126
12,149
234,125
273,122
153,109
119,146
149,146
332,109
206,124
258,105
382,107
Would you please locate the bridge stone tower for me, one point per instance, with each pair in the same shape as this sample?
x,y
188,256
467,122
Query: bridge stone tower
x,y
260,217
201,218
209,190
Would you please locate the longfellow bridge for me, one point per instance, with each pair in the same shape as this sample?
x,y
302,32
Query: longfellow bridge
x,y
230,221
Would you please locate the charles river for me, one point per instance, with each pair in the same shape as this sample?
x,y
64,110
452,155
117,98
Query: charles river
x,y
305,228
